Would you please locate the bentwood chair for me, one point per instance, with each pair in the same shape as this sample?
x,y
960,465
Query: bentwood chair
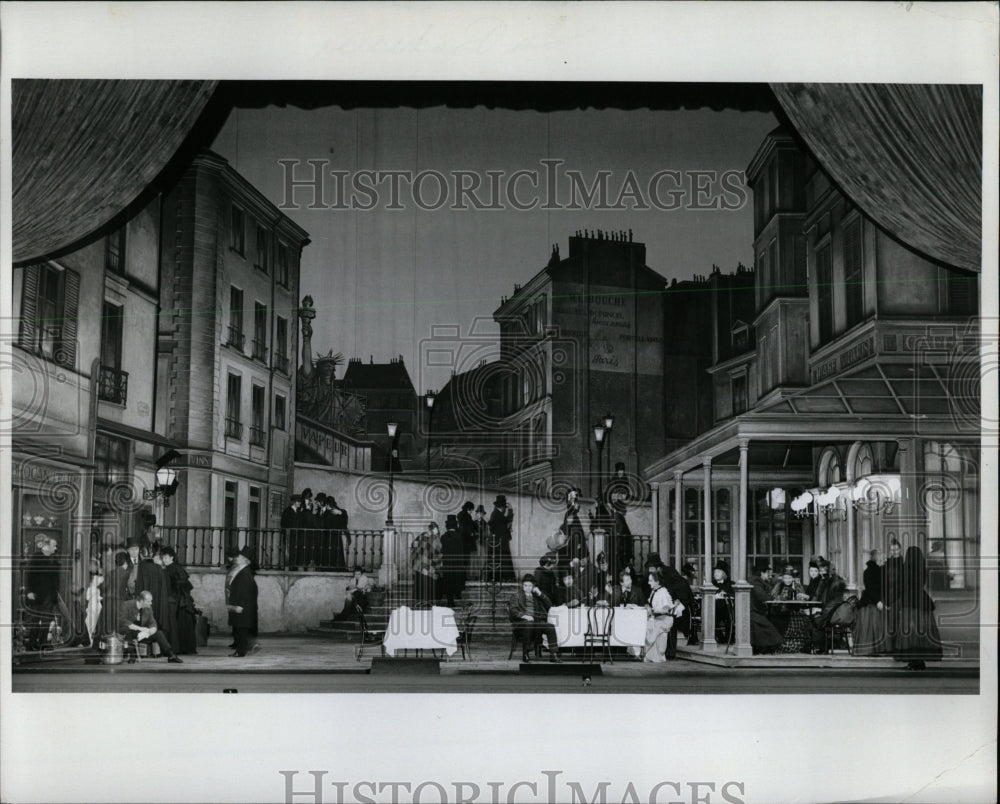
x,y
465,634
367,635
600,620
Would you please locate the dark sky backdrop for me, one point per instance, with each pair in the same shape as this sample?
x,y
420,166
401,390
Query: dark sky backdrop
x,y
382,278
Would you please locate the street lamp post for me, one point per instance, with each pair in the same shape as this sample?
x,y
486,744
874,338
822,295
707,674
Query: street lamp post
x,y
599,438
609,421
429,401
391,428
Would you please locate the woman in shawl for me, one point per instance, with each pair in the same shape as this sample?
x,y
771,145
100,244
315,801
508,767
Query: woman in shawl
x,y
869,622
917,638
181,604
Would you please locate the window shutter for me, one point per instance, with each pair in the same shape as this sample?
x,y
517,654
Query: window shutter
x,y
66,353
29,308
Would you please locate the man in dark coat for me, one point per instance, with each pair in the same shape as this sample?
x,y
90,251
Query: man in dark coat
x,y
339,533
136,620
576,537
290,524
453,561
41,580
241,601
501,521
626,593
618,494
528,612
469,532
680,591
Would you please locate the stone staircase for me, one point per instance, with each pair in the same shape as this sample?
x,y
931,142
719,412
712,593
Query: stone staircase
x,y
491,624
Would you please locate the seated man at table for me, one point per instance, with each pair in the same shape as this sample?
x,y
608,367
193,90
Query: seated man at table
x,y
626,593
586,580
529,609
569,595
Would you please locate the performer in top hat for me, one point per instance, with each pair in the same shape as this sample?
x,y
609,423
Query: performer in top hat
x,y
501,521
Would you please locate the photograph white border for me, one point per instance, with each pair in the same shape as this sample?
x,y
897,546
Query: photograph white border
x,y
154,747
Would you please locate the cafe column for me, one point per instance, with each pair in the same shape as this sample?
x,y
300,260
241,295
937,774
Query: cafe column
x,y
741,587
678,519
707,590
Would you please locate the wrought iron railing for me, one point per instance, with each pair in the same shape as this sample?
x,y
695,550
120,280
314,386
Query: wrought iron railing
x,y
281,363
236,338
256,436
234,428
258,349
112,385
289,549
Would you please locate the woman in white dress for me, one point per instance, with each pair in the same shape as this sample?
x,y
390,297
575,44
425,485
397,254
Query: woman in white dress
x,y
661,608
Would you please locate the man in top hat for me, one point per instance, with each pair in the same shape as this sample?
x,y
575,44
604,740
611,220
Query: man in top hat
x,y
452,561
241,600
501,521
618,494
467,531
41,580
576,538
290,524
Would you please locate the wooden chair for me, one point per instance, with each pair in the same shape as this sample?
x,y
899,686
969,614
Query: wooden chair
x,y
465,635
600,620
367,635
837,635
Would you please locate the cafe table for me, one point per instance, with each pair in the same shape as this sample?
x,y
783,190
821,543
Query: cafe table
x,y
628,629
421,629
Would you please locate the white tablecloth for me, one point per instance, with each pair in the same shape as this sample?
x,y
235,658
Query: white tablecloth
x,y
628,629
421,629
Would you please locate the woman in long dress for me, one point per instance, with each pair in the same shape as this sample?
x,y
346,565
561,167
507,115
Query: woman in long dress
x,y
661,621
869,616
917,638
183,639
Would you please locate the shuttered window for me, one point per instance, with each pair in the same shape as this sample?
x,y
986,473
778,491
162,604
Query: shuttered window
x,y
50,302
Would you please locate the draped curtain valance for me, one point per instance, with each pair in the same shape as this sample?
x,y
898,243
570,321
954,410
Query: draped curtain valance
x,y
909,155
83,150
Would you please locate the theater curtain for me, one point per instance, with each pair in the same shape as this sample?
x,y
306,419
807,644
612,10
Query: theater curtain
x,y
83,150
909,155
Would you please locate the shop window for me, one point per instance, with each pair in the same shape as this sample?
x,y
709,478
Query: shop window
x,y
773,533
50,301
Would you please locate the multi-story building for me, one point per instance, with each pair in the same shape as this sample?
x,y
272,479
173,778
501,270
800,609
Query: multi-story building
x,y
844,422
582,339
84,404
227,342
391,397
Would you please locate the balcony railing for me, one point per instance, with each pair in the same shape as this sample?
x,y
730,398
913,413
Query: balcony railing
x,y
112,385
236,338
258,350
234,428
281,363
276,549
256,436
